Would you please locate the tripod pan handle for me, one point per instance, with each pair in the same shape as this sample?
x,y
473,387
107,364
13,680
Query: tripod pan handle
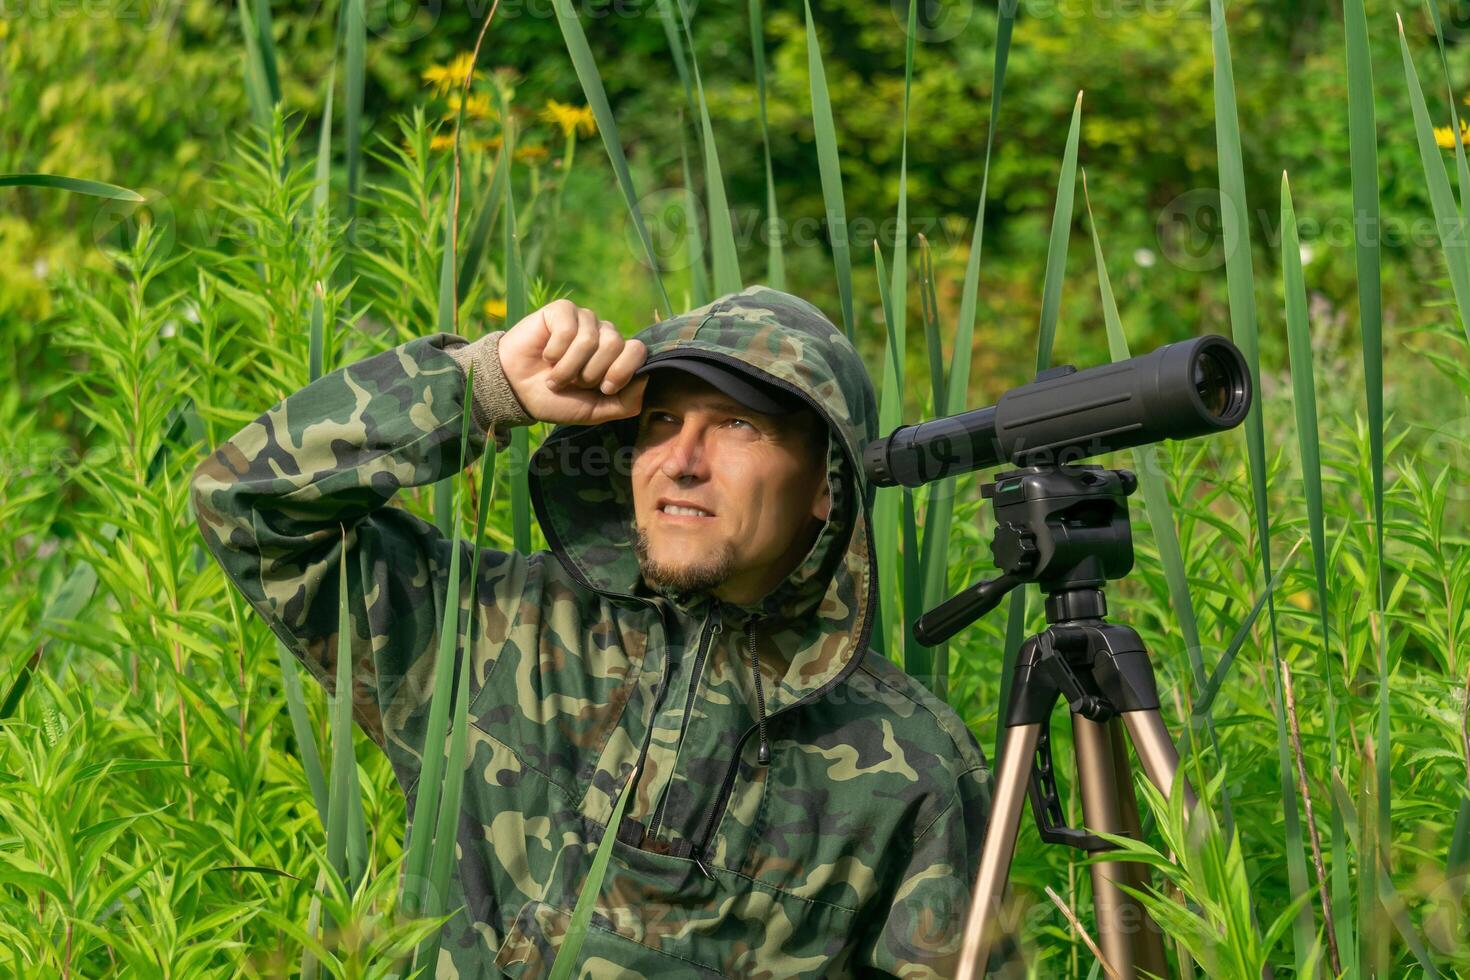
x,y
962,609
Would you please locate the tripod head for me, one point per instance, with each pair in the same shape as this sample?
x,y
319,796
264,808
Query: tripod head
x,y
1064,527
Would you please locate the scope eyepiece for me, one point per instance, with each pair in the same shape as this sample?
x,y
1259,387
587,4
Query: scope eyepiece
x,y
1221,381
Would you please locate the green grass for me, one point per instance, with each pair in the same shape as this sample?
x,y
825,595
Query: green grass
x,y
172,794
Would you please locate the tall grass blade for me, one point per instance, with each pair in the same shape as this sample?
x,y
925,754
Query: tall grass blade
x,y
266,43
1304,401
301,728
775,257
1363,164
1452,227
920,597
694,232
447,310
446,827
568,954
430,792
1447,219
725,259
355,40
344,762
1461,166
1372,937
587,74
446,315
913,600
885,507
317,341
478,240
257,88
311,760
676,48
515,309
1056,249
918,660
929,311
1240,288
445,512
77,185
322,187
825,133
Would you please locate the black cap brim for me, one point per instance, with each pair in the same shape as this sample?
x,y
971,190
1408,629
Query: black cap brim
x,y
755,395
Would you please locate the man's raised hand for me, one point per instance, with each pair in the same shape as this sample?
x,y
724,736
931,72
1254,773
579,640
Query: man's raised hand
x,y
566,365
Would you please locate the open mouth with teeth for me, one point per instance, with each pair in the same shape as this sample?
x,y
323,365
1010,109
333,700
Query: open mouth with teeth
x,y
684,513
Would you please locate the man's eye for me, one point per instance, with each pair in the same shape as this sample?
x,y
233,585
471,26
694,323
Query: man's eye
x,y
743,422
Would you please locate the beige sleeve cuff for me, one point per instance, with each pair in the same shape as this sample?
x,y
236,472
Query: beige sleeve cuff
x,y
496,407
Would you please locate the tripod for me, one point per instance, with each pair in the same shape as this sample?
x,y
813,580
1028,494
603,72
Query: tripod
x,y
1066,528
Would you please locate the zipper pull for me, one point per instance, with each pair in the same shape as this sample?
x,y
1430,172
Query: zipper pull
x,y
700,865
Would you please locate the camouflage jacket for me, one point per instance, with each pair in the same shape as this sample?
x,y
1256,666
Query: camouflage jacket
x,y
849,853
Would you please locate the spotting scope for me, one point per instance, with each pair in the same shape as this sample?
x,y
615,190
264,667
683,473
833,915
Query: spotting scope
x,y
1177,391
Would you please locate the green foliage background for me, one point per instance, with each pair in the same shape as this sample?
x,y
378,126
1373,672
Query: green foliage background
x,y
115,313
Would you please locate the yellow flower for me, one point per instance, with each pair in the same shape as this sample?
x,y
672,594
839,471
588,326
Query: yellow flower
x,y
452,75
494,308
1444,138
445,141
478,106
531,154
570,118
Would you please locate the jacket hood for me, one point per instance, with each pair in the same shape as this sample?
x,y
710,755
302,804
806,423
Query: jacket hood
x,y
822,613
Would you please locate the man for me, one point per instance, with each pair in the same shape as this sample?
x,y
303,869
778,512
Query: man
x,y
697,631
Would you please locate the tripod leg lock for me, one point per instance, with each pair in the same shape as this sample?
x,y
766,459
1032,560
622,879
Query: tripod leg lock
x,y
1046,802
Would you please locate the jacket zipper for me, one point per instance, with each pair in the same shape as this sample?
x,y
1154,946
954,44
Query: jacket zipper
x,y
711,627
663,690
701,845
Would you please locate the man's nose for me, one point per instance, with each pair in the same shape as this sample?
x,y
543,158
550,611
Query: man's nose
x,y
685,456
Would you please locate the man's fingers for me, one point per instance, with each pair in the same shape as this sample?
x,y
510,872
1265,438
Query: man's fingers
x,y
609,346
625,403
583,345
560,317
629,359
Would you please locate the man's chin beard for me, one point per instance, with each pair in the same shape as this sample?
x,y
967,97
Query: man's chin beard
x,y
687,579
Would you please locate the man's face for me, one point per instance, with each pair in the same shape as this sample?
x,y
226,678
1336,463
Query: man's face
x,y
760,480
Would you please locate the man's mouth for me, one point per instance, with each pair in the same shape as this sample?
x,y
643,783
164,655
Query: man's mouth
x,y
686,511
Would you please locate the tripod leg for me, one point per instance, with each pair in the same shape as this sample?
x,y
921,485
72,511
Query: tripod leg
x,y
984,923
1157,752
1148,946
1121,921
1127,800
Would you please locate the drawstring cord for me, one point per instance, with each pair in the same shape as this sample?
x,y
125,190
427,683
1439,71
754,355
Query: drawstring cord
x,y
764,756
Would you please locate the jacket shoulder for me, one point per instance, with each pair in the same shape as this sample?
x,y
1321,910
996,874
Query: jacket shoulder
x,y
925,717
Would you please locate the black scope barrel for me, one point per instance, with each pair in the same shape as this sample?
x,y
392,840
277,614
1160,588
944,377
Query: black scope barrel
x,y
1177,391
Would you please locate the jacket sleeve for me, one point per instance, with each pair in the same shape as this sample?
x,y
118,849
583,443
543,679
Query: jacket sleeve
x,y
918,930
279,501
